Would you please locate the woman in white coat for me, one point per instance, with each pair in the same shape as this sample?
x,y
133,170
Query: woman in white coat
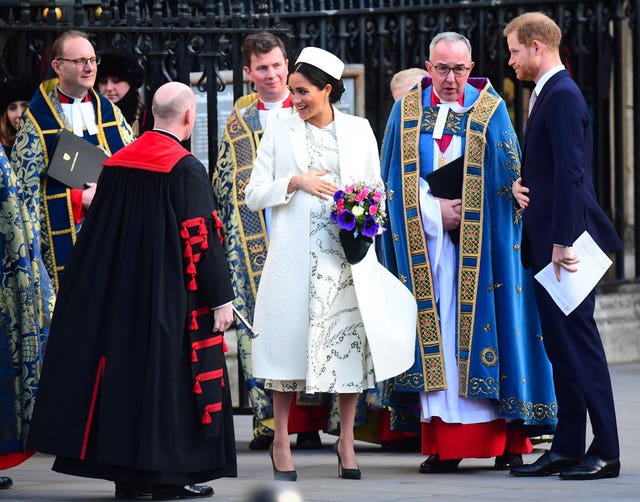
x,y
322,323
311,334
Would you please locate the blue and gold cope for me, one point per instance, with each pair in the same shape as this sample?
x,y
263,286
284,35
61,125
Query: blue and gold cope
x,y
26,306
44,196
497,321
245,232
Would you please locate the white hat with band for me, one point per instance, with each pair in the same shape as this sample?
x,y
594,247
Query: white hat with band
x,y
323,60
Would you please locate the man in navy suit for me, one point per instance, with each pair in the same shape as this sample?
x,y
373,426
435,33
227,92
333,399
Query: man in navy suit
x,y
558,200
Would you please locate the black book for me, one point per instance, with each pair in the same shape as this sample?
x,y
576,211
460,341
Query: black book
x,y
75,161
446,183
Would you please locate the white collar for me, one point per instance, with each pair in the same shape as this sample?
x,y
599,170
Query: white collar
x,y
157,129
443,111
275,104
80,115
545,78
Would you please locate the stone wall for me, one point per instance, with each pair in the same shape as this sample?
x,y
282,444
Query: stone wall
x,y
618,317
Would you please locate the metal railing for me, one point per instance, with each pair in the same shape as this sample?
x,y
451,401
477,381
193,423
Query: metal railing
x,y
175,39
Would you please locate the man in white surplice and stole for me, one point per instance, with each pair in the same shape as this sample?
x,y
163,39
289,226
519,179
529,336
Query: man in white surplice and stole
x,y
481,373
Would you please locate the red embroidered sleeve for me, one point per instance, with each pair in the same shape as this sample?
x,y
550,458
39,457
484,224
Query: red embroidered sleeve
x,y
217,225
194,235
206,362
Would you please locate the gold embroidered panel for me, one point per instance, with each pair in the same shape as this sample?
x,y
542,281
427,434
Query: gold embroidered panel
x,y
417,257
251,224
454,123
471,228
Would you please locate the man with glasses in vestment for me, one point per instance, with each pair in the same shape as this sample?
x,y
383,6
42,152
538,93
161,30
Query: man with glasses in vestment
x,y
65,102
481,379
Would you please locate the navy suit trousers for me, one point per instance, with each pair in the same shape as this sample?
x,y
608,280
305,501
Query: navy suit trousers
x,y
581,378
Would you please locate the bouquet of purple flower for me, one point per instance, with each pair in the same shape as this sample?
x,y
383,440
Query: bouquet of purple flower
x,y
359,211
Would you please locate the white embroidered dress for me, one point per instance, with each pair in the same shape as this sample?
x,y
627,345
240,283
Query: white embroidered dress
x,y
338,355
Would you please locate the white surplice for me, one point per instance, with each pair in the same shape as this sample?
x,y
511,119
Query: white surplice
x,y
447,404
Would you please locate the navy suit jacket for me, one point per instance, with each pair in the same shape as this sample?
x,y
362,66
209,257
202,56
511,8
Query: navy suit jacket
x,y
557,166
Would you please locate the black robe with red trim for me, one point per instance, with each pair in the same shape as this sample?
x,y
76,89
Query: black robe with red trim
x,y
134,384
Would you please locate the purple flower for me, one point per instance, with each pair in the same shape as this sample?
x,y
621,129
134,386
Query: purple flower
x,y
333,216
338,195
347,220
369,226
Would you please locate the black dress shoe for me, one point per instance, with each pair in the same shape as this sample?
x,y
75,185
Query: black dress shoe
x,y
5,482
132,491
549,463
308,441
593,467
507,461
433,465
261,442
173,492
405,444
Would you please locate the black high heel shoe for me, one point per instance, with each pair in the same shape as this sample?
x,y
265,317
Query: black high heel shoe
x,y
343,472
281,475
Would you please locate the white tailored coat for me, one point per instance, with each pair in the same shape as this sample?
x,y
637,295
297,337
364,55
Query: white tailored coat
x,y
281,316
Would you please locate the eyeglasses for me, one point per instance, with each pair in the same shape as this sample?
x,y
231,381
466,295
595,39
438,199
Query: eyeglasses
x,y
458,70
82,61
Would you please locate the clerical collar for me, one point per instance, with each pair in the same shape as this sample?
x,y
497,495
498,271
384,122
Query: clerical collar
x,y
443,111
167,133
283,103
79,112
435,99
66,99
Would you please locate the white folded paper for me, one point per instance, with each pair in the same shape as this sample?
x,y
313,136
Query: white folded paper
x,y
574,287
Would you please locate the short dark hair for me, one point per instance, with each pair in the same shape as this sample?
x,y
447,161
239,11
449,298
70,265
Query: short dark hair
x,y
58,44
320,78
260,43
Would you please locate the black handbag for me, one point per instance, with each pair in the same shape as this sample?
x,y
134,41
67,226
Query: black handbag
x,y
355,248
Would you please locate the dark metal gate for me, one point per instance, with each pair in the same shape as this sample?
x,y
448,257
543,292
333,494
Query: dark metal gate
x,y
176,39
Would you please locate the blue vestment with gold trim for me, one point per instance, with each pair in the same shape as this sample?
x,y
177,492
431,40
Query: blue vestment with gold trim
x,y
47,201
500,352
26,306
245,238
